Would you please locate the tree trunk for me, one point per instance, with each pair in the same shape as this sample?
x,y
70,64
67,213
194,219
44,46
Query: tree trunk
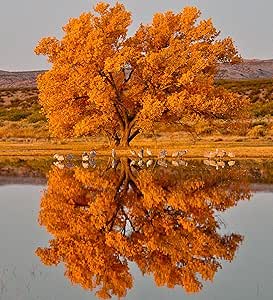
x,y
128,136
125,138
116,139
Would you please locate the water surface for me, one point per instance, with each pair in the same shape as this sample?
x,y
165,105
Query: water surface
x,y
24,276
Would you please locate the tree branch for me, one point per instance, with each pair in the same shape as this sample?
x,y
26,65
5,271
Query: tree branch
x,y
133,135
118,102
209,114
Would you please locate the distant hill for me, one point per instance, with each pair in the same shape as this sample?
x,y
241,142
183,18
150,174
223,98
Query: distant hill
x,y
26,79
248,69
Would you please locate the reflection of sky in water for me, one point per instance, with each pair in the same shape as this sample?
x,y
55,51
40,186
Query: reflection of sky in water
x,y
249,276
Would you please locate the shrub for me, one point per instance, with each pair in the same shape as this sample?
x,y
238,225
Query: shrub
x,y
3,113
257,131
259,122
36,117
18,115
260,109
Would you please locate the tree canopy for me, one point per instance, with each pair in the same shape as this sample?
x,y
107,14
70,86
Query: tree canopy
x,y
163,220
104,81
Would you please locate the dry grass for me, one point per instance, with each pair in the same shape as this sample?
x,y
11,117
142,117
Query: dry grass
x,y
242,147
23,130
20,115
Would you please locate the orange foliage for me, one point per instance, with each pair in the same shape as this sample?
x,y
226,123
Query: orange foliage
x,y
102,81
164,220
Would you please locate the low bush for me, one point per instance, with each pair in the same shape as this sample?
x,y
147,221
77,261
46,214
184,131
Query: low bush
x,y
262,109
18,115
36,117
263,122
257,131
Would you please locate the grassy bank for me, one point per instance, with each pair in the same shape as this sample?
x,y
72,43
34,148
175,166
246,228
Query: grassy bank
x,y
242,147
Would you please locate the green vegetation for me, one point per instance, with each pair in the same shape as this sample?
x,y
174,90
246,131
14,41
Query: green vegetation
x,y
13,114
261,109
259,91
20,114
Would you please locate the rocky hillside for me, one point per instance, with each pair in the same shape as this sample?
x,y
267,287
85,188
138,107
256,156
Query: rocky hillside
x,y
26,79
249,69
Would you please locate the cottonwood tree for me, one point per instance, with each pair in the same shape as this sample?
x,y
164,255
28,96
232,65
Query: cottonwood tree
x,y
104,81
165,221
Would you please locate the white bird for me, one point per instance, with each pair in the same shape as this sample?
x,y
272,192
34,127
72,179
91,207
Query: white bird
x,y
85,164
58,164
55,156
69,156
92,163
231,163
149,152
140,163
141,153
163,153
114,163
175,154
210,155
206,162
114,154
69,165
175,163
58,157
220,153
213,163
85,156
132,163
179,153
92,153
133,152
149,163
182,163
221,164
162,163
183,152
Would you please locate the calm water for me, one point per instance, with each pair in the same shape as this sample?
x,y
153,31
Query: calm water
x,y
66,218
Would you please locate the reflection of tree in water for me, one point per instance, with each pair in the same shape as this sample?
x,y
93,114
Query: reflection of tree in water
x,y
163,220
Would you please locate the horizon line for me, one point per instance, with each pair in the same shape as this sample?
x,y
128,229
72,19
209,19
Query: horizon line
x,y
41,70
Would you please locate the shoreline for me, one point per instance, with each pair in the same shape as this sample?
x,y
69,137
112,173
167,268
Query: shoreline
x,y
243,149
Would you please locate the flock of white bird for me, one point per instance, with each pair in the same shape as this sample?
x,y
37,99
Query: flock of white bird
x,y
219,159
145,158
139,158
88,160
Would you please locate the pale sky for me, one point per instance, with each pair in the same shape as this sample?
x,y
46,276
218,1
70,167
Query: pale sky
x,y
24,22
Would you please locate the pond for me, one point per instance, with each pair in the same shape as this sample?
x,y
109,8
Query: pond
x,y
162,230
